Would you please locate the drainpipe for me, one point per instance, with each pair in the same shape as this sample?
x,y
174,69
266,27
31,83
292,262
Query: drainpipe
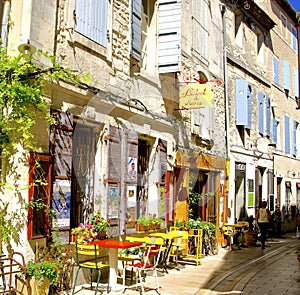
x,y
223,11
4,30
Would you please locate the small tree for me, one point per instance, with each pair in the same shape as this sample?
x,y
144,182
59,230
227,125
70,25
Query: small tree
x,y
21,103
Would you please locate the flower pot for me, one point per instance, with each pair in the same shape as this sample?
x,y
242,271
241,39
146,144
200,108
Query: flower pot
x,y
39,287
250,238
101,235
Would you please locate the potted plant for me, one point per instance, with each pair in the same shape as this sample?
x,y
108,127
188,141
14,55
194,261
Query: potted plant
x,y
42,273
84,233
142,223
180,224
157,222
100,224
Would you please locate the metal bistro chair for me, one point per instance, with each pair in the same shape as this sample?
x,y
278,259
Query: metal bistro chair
x,y
230,234
180,244
153,253
92,255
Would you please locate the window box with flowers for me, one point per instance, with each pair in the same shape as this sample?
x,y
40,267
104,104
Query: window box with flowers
x,y
41,274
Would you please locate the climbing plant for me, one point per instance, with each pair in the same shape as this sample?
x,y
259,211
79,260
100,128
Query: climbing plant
x,y
22,103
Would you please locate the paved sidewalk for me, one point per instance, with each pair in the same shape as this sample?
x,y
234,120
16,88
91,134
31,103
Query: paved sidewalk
x,y
194,280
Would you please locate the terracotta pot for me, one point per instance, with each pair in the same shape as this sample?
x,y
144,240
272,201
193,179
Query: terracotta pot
x,y
101,235
39,287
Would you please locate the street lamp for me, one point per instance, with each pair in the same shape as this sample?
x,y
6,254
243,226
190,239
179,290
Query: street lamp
x,y
27,49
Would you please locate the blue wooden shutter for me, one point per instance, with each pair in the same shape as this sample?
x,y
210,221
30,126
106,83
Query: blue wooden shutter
x,y
287,134
241,104
261,97
268,116
274,131
169,36
296,83
276,70
249,105
294,38
294,138
136,29
286,75
91,19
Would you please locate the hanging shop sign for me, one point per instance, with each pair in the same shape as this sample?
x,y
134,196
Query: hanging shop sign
x,y
194,96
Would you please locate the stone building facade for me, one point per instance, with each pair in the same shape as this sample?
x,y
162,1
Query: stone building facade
x,y
263,93
123,143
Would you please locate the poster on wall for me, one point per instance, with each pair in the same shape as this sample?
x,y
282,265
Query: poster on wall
x,y
131,203
250,193
132,168
113,202
61,202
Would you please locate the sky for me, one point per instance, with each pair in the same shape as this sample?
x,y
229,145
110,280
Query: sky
x,y
295,4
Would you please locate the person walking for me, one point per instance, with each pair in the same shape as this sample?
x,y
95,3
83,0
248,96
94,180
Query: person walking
x,y
262,218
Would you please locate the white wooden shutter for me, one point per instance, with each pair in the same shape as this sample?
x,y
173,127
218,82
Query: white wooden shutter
x,y
91,19
169,36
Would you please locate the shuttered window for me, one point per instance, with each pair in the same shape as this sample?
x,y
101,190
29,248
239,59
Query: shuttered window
x,y
268,116
241,104
261,97
276,70
91,19
274,130
169,36
136,34
200,29
249,102
296,83
287,134
286,75
294,38
294,138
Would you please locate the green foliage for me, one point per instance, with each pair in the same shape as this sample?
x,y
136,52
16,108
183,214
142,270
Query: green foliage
x,y
99,222
22,89
43,268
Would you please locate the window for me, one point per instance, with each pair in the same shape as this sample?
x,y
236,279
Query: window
x,y
260,46
286,75
294,38
39,173
200,29
283,26
4,11
261,98
144,35
91,19
238,29
295,131
296,83
242,103
276,70
275,130
169,36
287,134
268,116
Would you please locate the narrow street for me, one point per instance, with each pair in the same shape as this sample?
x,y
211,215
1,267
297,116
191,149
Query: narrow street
x,y
250,270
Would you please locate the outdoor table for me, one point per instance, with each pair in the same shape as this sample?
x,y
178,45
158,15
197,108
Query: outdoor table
x,y
113,246
169,239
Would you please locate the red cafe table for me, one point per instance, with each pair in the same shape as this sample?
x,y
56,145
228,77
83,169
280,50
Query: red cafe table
x,y
113,246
